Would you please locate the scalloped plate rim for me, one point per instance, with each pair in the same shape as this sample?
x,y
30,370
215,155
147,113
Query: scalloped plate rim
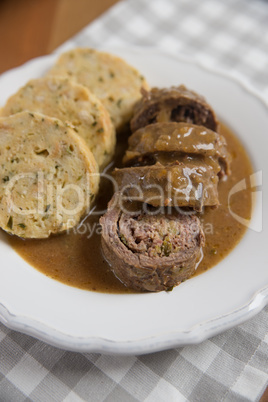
x,y
196,334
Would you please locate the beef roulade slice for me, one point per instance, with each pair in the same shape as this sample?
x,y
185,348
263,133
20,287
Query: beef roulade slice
x,y
180,138
148,251
173,104
193,185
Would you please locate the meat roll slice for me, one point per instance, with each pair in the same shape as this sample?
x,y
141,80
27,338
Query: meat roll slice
x,y
193,185
150,252
182,138
173,104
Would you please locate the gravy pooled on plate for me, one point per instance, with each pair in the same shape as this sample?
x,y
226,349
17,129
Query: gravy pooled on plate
x,y
76,258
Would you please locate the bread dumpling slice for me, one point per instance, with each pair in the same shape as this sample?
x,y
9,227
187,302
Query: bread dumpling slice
x,y
116,83
48,176
68,101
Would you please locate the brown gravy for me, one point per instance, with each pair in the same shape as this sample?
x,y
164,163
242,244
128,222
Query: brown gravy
x,y
76,259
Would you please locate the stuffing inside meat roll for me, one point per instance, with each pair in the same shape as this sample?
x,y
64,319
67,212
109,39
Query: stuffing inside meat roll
x,y
148,250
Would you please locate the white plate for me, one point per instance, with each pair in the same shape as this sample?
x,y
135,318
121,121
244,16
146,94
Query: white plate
x,y
228,294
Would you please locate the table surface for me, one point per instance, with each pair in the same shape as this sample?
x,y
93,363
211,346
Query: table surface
x,y
220,34
41,26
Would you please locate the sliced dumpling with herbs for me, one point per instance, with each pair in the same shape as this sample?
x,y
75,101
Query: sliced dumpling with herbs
x,y
48,176
70,102
116,83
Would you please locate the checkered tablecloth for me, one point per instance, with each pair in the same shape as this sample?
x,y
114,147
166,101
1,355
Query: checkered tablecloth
x,y
233,366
